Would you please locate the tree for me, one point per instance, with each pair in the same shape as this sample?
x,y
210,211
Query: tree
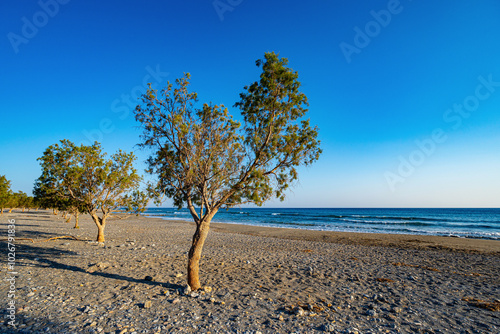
x,y
17,200
5,193
205,160
22,200
29,203
45,195
86,181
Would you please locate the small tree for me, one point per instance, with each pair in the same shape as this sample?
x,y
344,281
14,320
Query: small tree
x,y
203,158
29,203
5,193
90,183
16,200
22,200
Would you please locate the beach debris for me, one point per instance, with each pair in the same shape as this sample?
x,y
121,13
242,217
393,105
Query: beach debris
x,y
300,309
402,264
492,306
45,240
371,313
329,328
178,275
385,280
187,290
207,289
98,266
396,310
147,304
176,300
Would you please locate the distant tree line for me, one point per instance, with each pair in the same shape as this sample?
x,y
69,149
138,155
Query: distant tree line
x,y
11,200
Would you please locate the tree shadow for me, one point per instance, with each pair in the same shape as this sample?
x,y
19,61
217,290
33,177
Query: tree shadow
x,y
28,225
45,258
34,235
21,318
34,219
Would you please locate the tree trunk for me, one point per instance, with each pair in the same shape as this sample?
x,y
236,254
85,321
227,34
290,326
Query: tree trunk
x,y
101,223
2,212
100,233
195,254
76,220
23,209
10,211
54,212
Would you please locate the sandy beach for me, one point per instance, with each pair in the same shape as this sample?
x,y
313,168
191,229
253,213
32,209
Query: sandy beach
x,y
256,279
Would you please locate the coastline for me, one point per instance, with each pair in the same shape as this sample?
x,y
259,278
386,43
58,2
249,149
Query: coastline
x,y
406,241
267,280
480,223
367,239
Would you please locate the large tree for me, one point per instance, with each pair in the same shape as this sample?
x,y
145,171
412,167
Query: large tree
x,y
5,193
84,180
206,160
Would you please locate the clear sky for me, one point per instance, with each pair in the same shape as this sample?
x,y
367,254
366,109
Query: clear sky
x,y
406,93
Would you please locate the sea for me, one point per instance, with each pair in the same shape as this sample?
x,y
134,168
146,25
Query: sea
x,y
463,223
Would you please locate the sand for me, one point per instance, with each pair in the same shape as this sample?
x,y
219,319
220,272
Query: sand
x,y
258,279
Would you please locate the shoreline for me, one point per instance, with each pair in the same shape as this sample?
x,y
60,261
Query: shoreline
x,y
445,222
406,241
256,279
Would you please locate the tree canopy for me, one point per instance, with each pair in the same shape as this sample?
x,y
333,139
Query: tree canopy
x,y
206,160
5,193
83,179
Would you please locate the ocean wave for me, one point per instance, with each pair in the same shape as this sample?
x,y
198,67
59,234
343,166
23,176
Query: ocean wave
x,y
468,223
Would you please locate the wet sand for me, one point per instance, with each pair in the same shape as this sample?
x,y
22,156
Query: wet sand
x,y
258,279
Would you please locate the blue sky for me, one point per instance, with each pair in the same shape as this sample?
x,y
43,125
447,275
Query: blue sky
x,y
406,93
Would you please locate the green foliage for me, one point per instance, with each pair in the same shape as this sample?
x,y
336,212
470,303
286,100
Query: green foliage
x,y
82,179
5,192
20,199
203,157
